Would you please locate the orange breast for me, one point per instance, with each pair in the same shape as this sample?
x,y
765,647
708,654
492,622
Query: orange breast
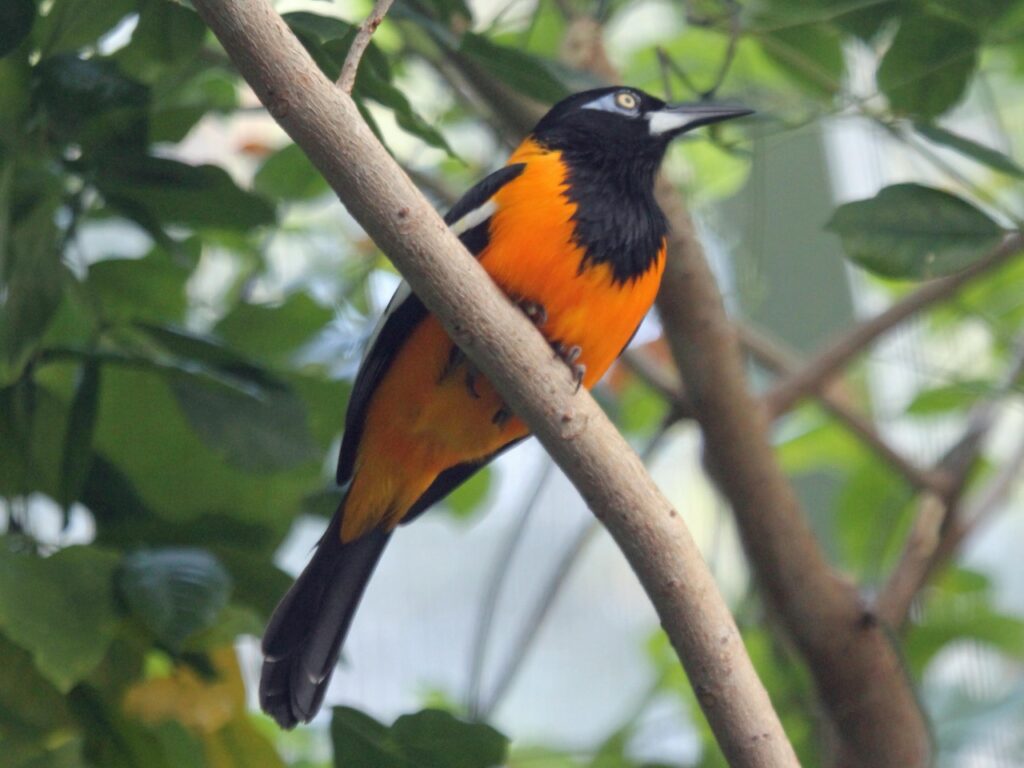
x,y
427,415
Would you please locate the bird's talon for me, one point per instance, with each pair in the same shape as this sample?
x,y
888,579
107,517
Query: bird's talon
x,y
535,311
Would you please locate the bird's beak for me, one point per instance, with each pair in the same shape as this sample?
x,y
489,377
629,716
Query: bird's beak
x,y
675,119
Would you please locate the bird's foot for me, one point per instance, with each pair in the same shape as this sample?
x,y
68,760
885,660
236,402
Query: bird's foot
x,y
570,356
534,310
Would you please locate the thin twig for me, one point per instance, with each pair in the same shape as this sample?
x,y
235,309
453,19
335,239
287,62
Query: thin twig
x,y
786,362
904,582
735,30
495,586
916,564
347,78
836,355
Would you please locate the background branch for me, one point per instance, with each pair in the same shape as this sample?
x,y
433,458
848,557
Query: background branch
x,y
347,78
514,356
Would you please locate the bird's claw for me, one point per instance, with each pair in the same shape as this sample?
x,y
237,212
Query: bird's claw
x,y
535,311
569,356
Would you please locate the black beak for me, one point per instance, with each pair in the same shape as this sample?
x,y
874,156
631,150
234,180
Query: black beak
x,y
675,119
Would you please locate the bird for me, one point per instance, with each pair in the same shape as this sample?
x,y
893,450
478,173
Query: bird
x,y
570,230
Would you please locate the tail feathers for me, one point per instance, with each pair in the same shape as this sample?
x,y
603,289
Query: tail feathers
x,y
305,634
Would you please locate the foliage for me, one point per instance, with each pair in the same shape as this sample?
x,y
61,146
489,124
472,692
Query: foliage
x,y
188,425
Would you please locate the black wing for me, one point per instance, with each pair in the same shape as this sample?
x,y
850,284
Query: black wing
x,y
469,218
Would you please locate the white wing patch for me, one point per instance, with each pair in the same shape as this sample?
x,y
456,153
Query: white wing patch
x,y
475,217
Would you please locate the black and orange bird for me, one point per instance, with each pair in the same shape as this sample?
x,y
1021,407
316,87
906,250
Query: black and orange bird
x,y
570,230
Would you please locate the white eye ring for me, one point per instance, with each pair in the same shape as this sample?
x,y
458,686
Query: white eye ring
x,y
626,100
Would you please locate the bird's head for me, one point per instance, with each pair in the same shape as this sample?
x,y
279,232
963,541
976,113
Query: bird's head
x,y
625,123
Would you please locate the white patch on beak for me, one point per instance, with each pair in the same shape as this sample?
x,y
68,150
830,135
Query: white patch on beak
x,y
665,121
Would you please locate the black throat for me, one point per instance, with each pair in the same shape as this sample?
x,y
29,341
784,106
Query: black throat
x,y
618,221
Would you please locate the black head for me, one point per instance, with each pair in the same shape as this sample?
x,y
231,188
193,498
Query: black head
x,y
624,123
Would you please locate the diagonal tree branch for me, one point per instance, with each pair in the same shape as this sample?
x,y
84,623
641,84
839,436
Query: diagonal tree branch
x,y
838,354
510,351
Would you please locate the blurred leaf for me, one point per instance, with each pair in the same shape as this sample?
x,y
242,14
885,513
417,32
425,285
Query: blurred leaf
x,y
71,618
175,592
289,175
527,74
915,232
73,24
34,284
240,745
438,739
151,288
144,434
950,618
33,427
972,149
256,432
427,739
274,333
467,498
946,398
178,193
61,750
167,34
199,703
928,66
810,53
81,426
16,19
43,711
92,102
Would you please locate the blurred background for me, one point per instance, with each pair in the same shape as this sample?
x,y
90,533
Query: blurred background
x,y
184,303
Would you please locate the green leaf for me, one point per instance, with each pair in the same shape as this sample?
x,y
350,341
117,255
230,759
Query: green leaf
x,y
947,398
263,431
273,334
361,742
43,711
916,232
810,53
16,19
438,739
92,102
173,192
428,739
149,289
73,24
35,280
289,175
972,149
175,592
928,66
71,617
467,498
81,426
167,34
527,74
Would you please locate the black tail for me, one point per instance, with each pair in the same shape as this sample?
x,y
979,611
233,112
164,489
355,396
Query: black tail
x,y
304,636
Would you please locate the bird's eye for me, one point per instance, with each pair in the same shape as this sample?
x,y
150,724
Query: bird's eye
x,y
626,100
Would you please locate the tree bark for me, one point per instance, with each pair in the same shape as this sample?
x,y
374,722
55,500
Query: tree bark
x,y
512,354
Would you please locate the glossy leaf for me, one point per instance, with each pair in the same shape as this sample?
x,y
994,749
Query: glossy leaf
x,y
175,592
71,617
914,232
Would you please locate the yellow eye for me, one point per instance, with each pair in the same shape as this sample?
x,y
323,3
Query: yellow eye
x,y
626,100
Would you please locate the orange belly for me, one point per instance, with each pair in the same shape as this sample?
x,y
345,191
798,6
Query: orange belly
x,y
429,414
